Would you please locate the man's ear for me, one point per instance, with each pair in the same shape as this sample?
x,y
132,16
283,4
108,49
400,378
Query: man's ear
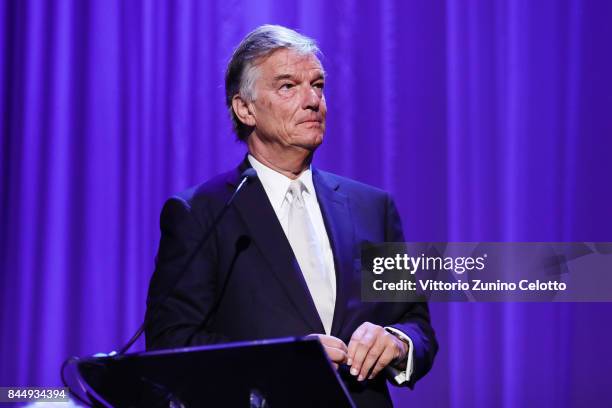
x,y
243,110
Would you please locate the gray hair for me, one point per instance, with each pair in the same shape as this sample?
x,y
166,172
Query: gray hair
x,y
241,71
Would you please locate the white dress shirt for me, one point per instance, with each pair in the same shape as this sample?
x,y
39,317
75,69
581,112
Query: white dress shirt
x,y
276,185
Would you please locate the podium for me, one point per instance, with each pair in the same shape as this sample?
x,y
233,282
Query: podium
x,y
288,372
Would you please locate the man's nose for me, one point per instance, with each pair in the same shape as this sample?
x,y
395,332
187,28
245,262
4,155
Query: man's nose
x,y
311,99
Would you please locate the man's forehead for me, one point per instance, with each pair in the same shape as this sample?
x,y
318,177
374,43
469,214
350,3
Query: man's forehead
x,y
284,62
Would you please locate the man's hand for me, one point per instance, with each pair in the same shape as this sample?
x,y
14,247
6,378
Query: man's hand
x,y
334,347
373,348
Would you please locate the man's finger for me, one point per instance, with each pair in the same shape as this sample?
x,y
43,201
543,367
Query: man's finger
x,y
336,355
334,342
372,356
354,342
385,358
330,341
362,347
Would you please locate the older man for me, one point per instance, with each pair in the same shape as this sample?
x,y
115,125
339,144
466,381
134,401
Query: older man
x,y
284,259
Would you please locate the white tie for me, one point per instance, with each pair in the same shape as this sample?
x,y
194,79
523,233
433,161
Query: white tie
x,y
307,250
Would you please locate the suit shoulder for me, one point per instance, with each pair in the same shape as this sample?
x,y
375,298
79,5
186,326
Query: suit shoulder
x,y
353,187
215,190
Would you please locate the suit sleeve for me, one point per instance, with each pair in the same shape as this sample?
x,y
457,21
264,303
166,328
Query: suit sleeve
x,y
415,322
179,303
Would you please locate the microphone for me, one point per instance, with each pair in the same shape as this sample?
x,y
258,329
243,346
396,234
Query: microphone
x,y
241,244
245,177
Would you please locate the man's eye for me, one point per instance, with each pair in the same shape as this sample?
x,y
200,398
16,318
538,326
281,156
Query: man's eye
x,y
286,86
319,85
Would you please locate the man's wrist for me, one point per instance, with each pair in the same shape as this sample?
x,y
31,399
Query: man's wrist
x,y
403,344
404,348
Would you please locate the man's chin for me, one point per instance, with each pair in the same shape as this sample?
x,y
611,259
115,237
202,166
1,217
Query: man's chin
x,y
310,142
311,147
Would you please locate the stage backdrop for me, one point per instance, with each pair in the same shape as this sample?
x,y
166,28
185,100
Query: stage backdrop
x,y
487,120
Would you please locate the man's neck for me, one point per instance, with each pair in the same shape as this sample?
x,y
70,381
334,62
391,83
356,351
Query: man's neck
x,y
290,162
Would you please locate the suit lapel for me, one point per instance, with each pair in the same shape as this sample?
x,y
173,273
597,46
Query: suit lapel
x,y
340,230
266,232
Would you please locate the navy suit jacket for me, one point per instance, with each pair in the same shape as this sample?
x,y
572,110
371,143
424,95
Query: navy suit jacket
x,y
249,272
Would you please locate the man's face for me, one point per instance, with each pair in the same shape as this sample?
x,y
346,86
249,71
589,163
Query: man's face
x,y
289,107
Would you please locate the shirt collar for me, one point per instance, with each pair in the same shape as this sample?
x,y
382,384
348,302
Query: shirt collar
x,y
276,184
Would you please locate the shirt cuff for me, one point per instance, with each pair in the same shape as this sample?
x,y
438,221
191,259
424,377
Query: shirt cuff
x,y
401,377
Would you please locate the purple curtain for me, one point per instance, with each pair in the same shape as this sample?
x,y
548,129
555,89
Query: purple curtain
x,y
487,120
